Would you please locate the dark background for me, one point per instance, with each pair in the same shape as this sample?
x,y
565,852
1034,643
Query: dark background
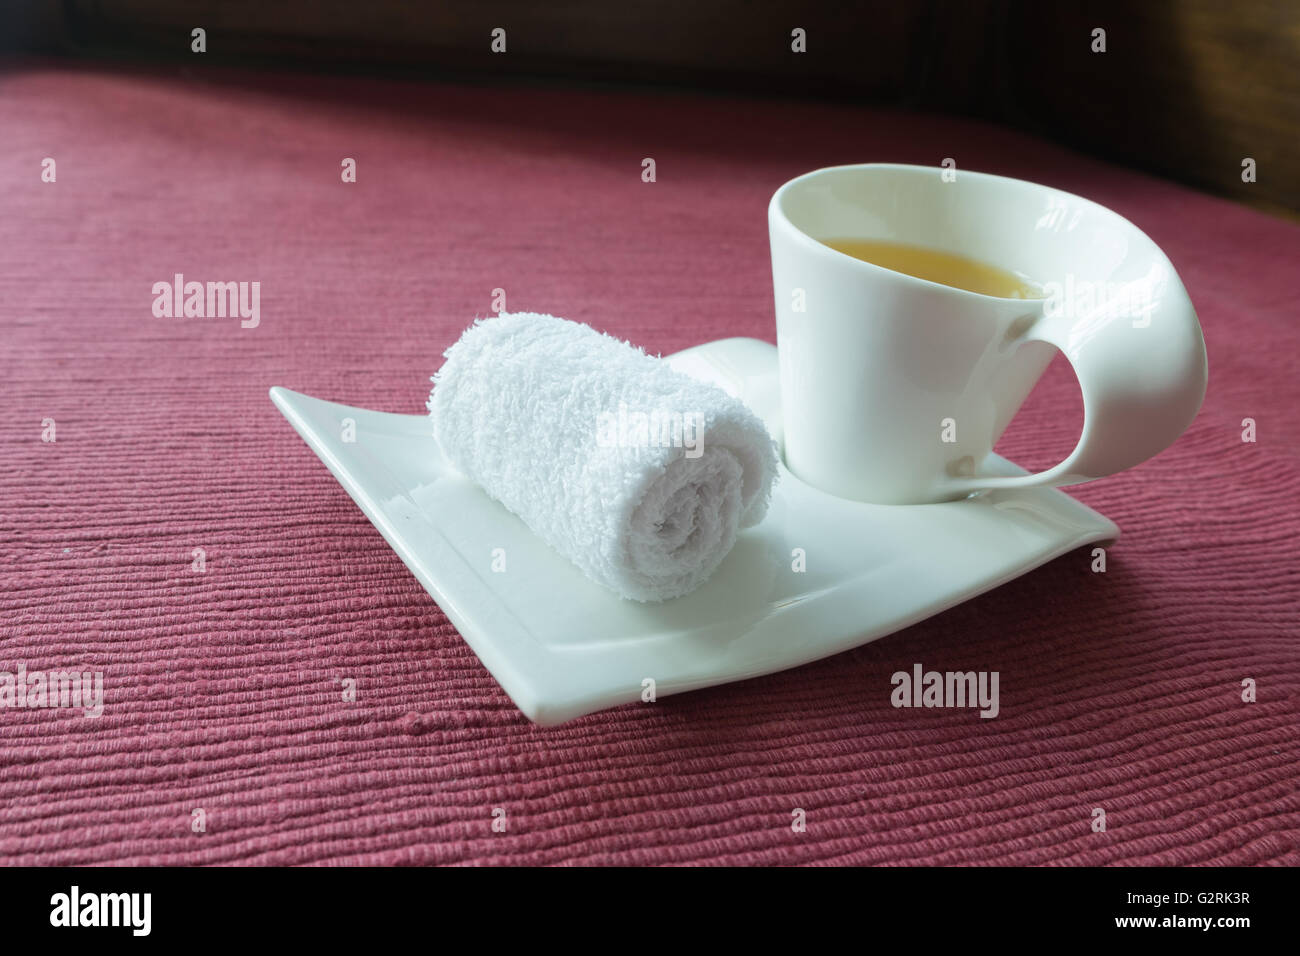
x,y
1185,89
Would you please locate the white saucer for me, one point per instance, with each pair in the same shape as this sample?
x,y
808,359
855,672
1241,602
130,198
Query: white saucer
x,y
562,646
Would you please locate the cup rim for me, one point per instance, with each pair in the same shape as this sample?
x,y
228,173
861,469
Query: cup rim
x,y
776,212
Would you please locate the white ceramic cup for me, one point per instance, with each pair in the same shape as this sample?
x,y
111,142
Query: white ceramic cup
x,y
895,389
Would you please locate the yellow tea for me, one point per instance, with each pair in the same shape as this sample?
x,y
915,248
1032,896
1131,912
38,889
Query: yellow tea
x,y
945,268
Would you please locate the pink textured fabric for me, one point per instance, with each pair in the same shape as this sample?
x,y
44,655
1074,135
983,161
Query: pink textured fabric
x,y
223,689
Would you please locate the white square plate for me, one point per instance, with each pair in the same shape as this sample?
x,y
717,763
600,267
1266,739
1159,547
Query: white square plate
x,y
562,646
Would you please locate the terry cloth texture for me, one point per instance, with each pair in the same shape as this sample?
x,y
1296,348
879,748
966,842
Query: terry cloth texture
x,y
224,689
638,474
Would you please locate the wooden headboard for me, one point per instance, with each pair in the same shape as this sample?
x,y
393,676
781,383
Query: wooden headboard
x,y
1190,89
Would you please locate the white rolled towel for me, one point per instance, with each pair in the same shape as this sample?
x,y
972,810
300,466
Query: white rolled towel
x,y
638,474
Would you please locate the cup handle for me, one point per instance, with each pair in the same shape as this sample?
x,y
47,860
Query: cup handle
x,y
1142,376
